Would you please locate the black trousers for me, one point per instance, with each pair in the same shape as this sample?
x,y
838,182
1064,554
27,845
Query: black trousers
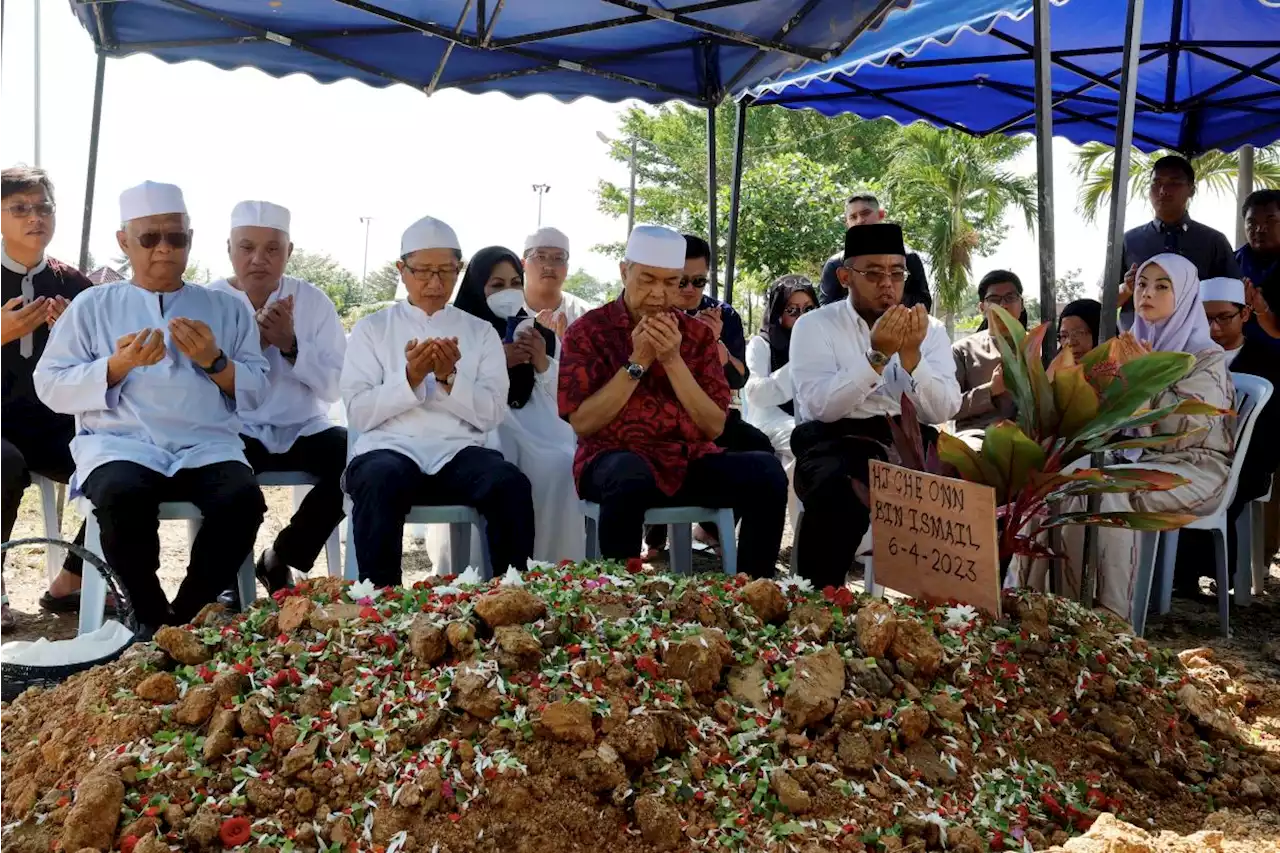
x,y
752,484
322,455
126,497
738,437
384,485
26,455
829,457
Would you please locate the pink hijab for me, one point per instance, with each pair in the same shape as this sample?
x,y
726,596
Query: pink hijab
x,y
1187,329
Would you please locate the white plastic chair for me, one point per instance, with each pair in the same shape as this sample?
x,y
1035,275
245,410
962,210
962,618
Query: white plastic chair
x,y
1252,393
459,518
679,521
51,515
93,592
302,483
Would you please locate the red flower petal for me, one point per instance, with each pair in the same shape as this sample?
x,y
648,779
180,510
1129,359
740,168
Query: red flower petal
x,y
234,831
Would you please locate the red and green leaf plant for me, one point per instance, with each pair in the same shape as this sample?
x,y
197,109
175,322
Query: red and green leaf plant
x,y
1066,414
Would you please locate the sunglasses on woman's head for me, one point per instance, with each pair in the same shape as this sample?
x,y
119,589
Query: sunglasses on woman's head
x,y
174,239
794,311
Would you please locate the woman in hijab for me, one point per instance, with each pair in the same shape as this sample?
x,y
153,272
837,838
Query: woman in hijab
x,y
533,437
984,399
768,392
1169,318
1078,327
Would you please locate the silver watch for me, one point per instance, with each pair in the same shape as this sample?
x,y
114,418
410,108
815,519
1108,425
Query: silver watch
x,y
877,358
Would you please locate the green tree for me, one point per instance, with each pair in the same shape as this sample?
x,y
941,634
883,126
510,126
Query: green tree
x,y
1069,286
808,153
197,274
1215,171
950,191
339,284
586,286
381,284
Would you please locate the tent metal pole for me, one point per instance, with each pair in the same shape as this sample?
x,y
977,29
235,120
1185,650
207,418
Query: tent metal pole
x,y
711,198
735,198
1244,186
1044,174
95,130
1112,273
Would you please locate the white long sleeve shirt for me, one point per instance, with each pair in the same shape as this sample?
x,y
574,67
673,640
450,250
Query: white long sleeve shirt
x,y
425,423
766,388
299,395
167,416
833,379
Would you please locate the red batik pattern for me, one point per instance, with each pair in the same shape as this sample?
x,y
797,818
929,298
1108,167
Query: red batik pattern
x,y
653,424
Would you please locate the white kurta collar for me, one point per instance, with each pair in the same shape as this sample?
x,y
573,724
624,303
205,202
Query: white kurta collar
x,y
13,266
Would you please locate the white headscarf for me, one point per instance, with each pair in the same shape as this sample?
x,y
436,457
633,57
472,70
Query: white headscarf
x,y
1187,329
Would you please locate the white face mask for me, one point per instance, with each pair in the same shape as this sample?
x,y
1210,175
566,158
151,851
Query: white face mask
x,y
506,303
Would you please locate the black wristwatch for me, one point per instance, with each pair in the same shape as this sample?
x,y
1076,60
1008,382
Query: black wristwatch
x,y
219,364
292,354
635,371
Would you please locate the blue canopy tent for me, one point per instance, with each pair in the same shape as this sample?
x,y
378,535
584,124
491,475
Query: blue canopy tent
x,y
1190,75
1206,77
608,49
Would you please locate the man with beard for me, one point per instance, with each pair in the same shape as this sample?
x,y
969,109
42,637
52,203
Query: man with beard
x,y
851,362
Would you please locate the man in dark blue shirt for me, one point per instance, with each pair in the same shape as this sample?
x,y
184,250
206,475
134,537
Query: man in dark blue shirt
x,y
1173,185
863,208
1259,258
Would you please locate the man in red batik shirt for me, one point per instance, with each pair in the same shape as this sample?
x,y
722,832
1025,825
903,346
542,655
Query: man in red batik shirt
x,y
642,386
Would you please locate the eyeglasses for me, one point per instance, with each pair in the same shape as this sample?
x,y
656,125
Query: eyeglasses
x,y
876,277
1077,337
793,311
698,281
1224,319
1007,299
425,274
174,239
22,210
551,259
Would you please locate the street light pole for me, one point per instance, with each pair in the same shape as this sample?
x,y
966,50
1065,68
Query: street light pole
x,y
364,274
36,157
541,190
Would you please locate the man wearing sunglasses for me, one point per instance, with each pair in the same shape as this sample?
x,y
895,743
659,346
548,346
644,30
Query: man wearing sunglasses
x,y
731,345
863,208
155,371
851,364
546,266
36,290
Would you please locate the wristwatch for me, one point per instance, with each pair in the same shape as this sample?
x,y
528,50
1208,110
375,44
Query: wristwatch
x,y
448,380
219,364
635,371
292,354
876,358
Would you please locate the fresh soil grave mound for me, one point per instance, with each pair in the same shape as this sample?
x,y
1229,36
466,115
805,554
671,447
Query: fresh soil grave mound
x,y
602,707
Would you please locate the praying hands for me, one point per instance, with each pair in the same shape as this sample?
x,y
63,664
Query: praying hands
x,y
438,356
275,324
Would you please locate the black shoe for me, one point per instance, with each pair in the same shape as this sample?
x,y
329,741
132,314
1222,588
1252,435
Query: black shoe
x,y
273,573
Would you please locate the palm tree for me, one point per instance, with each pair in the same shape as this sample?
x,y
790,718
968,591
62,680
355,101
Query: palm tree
x,y
949,188
1215,170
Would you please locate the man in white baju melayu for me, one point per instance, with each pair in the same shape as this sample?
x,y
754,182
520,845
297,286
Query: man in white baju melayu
x,y
304,342
546,266
423,383
154,370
